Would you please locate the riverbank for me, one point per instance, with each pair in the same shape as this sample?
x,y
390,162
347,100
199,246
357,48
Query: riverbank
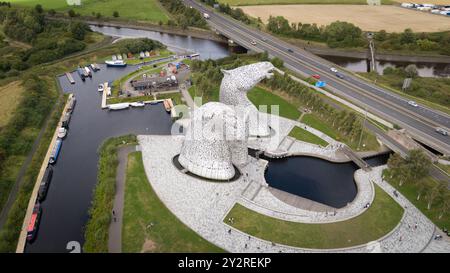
x,y
138,25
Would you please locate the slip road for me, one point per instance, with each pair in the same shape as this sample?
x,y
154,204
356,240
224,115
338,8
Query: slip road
x,y
224,263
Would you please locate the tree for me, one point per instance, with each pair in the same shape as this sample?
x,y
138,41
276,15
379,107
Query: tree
x,y
115,14
78,30
38,8
277,62
71,13
407,37
445,204
98,15
421,189
435,193
51,12
419,164
411,71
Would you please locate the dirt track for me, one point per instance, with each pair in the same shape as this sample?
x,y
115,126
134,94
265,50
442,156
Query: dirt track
x,y
373,18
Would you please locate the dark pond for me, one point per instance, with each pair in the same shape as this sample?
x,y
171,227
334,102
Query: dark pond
x,y
316,179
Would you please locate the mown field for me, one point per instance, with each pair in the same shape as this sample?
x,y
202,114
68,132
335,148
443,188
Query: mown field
x,y
283,2
145,10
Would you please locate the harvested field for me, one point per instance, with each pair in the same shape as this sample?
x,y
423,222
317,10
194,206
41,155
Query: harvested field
x,y
371,18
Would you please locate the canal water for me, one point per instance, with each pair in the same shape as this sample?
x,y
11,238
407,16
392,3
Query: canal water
x,y
317,179
360,65
181,44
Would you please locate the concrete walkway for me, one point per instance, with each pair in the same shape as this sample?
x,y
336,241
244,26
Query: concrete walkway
x,y
115,228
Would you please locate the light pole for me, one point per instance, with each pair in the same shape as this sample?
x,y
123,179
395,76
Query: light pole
x,y
362,128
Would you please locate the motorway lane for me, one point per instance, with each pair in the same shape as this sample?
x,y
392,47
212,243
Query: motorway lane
x,y
386,106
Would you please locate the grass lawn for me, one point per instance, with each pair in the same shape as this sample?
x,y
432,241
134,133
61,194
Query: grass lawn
x,y
144,10
409,190
303,135
176,97
10,97
316,123
259,96
268,2
368,141
142,206
207,97
380,218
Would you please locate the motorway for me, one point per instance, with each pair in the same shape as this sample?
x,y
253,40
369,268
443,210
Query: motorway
x,y
420,121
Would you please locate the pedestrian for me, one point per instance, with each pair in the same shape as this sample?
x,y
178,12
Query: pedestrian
x,y
114,213
229,231
415,226
115,219
245,246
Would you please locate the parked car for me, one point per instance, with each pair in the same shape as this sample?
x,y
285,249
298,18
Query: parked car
x,y
290,50
442,131
316,76
334,70
413,103
253,42
101,87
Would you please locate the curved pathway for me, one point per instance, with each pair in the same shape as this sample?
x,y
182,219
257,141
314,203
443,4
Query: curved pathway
x,y
203,205
115,228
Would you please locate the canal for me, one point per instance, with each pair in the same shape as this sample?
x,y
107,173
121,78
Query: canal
x,y
65,210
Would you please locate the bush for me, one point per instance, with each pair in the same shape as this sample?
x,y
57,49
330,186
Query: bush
x,y
115,14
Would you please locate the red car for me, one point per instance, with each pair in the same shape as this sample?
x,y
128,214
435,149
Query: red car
x,y
316,76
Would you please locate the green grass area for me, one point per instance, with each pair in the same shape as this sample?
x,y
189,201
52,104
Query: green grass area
x,y
176,97
213,95
380,218
432,92
284,2
162,54
144,10
303,135
410,190
368,141
142,207
97,227
259,96
129,99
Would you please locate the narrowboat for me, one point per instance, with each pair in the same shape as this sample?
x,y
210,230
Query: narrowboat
x,y
80,72
33,225
45,183
55,151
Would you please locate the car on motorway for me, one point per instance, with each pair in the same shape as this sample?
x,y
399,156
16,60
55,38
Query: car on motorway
x,y
290,50
442,131
339,75
253,42
413,103
264,39
334,70
316,76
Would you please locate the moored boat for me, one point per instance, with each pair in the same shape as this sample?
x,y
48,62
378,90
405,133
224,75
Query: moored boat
x,y
45,183
34,222
116,63
55,151
137,104
168,104
118,106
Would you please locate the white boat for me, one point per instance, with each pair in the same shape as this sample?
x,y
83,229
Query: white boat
x,y
101,87
118,106
137,104
62,132
117,63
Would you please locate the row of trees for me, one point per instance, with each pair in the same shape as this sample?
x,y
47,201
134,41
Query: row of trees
x,y
184,16
207,77
413,170
336,34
